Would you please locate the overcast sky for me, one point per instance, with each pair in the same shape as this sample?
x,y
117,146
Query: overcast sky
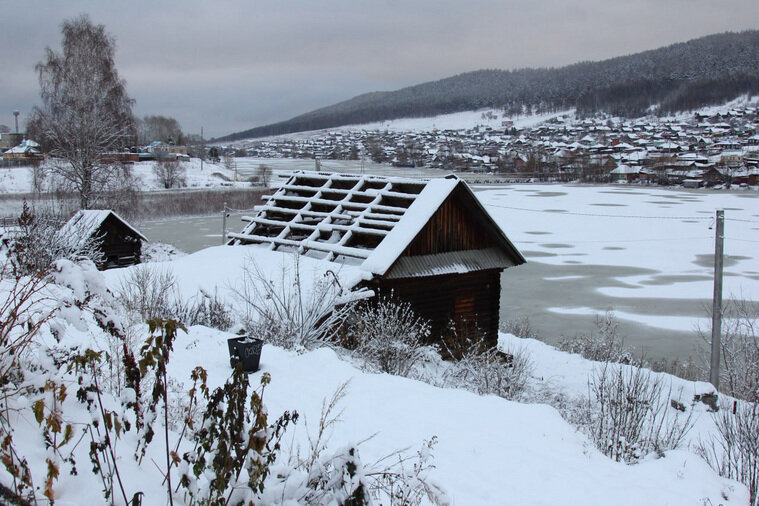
x,y
230,65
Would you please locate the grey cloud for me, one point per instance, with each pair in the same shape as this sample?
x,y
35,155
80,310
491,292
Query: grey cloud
x,y
235,64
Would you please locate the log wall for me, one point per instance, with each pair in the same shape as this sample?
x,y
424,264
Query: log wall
x,y
474,297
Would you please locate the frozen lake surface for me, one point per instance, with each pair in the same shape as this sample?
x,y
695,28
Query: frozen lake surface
x,y
644,253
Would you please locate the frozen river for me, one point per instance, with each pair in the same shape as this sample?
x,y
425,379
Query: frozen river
x,y
643,253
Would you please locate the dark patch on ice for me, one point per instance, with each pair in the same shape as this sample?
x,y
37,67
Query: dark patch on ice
x,y
728,261
662,202
554,245
613,248
733,208
572,262
548,194
623,192
538,232
690,221
555,210
536,254
671,279
610,205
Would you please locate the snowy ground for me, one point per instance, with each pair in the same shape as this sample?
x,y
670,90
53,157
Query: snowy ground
x,y
489,451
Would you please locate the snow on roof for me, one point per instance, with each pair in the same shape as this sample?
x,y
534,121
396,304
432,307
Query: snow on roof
x,y
364,221
625,169
361,220
86,222
418,214
26,146
331,216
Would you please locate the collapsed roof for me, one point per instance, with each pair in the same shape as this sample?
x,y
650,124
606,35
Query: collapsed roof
x,y
368,221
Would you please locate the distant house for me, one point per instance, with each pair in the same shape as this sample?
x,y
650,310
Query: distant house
x,y
119,242
158,150
626,173
27,150
430,243
713,176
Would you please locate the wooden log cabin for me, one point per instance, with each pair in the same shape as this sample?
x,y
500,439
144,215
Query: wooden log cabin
x,y
119,243
430,243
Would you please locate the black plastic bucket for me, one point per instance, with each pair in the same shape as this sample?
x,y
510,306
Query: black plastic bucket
x,y
246,350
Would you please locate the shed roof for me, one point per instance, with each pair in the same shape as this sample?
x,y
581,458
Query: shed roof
x,y
86,222
26,146
365,220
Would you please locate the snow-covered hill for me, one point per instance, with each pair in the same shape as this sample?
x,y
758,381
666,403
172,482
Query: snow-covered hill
x,y
488,450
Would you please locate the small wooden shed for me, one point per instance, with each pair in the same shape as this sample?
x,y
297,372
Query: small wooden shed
x,y
430,243
119,242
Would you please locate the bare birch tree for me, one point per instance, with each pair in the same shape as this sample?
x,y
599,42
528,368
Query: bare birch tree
x,y
85,110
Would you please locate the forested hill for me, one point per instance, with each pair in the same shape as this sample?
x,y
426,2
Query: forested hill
x,y
688,75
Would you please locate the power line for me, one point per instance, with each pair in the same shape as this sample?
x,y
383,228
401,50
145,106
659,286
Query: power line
x,y
601,215
612,241
744,221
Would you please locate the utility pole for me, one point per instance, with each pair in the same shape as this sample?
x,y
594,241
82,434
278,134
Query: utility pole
x,y
202,148
15,114
224,224
719,240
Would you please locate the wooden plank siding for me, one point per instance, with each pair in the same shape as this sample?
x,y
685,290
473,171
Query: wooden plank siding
x,y
119,244
453,227
474,297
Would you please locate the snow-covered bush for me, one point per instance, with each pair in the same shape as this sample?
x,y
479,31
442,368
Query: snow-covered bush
x,y
605,346
35,312
293,312
36,243
739,349
23,311
490,371
682,368
170,173
734,451
149,293
629,414
387,334
235,447
519,327
324,477
208,310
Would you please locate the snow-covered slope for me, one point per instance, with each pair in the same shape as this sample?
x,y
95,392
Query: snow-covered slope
x,y
490,451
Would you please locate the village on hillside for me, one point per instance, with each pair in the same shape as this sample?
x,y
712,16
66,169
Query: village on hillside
x,y
702,149
708,148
